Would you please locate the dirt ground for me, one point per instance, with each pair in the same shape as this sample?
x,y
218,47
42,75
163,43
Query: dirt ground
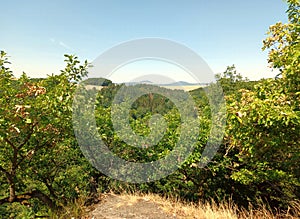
x,y
125,207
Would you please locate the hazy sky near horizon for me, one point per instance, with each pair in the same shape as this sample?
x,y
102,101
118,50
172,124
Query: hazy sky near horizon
x,y
36,34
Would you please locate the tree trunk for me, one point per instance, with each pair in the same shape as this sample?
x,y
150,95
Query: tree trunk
x,y
12,189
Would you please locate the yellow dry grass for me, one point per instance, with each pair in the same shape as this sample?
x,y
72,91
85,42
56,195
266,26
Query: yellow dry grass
x,y
176,208
225,210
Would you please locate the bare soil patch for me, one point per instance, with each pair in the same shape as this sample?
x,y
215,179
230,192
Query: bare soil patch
x,y
122,206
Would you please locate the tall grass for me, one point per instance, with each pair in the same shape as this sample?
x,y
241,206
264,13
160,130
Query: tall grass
x,y
73,210
179,209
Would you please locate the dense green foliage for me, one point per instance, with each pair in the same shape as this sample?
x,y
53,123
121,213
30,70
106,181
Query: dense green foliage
x,y
39,158
42,166
264,125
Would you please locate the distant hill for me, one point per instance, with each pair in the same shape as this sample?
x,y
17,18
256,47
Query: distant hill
x,y
182,83
146,82
97,81
139,82
177,83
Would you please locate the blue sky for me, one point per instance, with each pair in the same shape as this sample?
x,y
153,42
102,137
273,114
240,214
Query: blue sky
x,y
36,34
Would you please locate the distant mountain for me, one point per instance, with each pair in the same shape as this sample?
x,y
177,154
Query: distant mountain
x,y
177,83
139,82
146,82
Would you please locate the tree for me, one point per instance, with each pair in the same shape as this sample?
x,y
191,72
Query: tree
x,y
264,124
39,158
283,43
232,81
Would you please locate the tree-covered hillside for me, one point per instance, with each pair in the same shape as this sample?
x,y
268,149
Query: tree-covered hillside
x,y
44,169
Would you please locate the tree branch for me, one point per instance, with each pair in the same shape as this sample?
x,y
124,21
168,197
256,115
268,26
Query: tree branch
x,y
30,153
30,195
10,143
28,136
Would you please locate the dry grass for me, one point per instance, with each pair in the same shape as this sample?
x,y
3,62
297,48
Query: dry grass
x,y
187,210
225,210
76,209
180,210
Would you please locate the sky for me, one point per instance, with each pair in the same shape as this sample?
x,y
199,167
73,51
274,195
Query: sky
x,y
36,33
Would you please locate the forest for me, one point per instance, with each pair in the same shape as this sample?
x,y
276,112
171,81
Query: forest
x,y
43,168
